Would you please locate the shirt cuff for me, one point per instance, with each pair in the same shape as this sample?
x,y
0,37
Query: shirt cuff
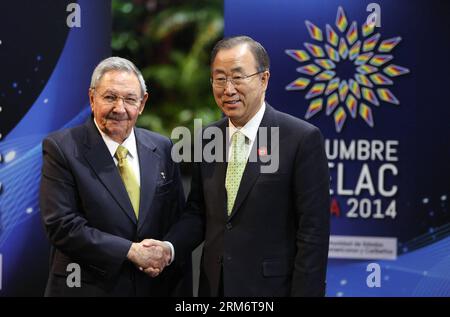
x,y
172,250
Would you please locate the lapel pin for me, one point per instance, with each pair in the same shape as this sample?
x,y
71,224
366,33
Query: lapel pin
x,y
262,151
163,175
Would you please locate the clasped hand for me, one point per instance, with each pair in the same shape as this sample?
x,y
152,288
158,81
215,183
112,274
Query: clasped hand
x,y
150,256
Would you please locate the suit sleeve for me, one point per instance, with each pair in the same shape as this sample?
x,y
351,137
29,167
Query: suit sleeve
x,y
188,232
181,268
64,222
312,201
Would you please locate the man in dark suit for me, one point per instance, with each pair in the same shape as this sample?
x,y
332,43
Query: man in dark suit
x,y
106,187
265,226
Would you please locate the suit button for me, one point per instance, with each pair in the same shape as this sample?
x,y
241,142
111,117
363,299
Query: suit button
x,y
219,259
229,226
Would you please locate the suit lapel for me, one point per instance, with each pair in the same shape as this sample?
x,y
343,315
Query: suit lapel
x,y
148,165
103,165
253,169
216,173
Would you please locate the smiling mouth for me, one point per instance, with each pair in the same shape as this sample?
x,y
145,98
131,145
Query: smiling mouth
x,y
116,119
231,102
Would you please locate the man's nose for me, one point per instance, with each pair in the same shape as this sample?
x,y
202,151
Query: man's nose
x,y
229,88
119,106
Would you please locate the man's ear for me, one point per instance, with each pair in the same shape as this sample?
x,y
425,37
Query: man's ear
x,y
144,100
91,98
265,79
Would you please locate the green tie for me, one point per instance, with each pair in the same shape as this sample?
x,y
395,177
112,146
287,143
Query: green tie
x,y
235,168
128,177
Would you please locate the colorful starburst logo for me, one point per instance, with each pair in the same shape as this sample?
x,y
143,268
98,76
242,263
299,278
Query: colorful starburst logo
x,y
370,59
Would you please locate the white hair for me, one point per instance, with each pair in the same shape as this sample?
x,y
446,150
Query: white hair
x,y
119,64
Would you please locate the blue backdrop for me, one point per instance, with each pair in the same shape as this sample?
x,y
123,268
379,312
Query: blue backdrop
x,y
46,67
379,94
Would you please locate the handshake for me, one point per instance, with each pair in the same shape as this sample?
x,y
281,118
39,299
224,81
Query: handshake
x,y
150,256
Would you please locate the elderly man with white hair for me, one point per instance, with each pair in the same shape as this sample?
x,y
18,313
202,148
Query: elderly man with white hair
x,y
108,191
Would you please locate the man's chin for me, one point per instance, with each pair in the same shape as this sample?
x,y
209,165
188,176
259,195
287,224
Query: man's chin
x,y
231,112
118,134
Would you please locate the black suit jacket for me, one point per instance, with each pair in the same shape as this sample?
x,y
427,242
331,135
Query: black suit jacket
x,y
89,219
275,242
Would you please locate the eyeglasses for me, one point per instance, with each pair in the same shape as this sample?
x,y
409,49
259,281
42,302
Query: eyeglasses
x,y
221,81
112,99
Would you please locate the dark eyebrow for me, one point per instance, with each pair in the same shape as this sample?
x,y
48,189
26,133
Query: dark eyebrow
x,y
237,69
109,91
218,71
114,92
233,70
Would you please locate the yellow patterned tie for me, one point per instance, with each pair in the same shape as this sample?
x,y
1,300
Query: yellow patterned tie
x,y
235,168
128,177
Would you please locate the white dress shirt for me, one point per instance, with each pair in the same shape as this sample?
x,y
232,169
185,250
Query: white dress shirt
x,y
130,145
133,160
250,129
